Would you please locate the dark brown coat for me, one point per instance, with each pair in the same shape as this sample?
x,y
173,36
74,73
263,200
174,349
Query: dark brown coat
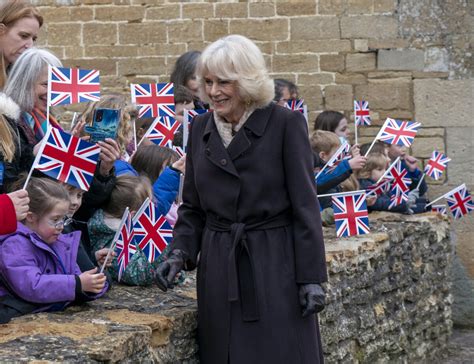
x,y
251,212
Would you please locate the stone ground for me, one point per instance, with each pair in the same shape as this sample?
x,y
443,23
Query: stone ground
x,y
461,347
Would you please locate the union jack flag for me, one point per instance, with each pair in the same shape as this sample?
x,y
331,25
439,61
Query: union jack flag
x,y
398,132
338,157
72,86
362,113
460,202
155,99
68,159
295,105
436,165
380,187
439,209
350,214
179,150
162,131
124,245
397,197
151,232
190,114
397,174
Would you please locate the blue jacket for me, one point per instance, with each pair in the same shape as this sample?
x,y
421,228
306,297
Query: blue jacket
x,y
328,182
383,201
415,179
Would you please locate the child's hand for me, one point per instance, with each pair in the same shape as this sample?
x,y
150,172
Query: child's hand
x,y
109,153
20,201
78,128
180,164
355,150
371,200
411,163
358,162
92,282
101,254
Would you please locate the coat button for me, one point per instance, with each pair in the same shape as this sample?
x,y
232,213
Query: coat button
x,y
224,162
207,151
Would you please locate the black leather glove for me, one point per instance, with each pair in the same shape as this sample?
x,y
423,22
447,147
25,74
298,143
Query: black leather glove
x,y
167,270
312,298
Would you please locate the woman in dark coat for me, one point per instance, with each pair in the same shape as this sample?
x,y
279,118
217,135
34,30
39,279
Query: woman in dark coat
x,y
251,214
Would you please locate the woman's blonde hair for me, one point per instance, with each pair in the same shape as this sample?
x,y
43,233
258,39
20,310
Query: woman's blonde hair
x,y
10,12
7,145
129,191
374,161
128,114
237,58
323,141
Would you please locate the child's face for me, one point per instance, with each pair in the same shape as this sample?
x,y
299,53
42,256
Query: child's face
x,y
50,225
395,151
376,173
342,129
327,156
179,110
75,197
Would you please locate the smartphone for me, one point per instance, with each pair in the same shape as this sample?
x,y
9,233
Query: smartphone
x,y
104,125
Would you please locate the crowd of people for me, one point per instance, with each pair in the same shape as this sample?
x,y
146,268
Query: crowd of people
x,y
250,218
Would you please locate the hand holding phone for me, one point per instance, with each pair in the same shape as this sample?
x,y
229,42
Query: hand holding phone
x,y
104,125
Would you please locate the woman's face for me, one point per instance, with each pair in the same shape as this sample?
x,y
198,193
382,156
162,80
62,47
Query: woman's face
x,y
342,130
17,38
193,85
41,91
225,98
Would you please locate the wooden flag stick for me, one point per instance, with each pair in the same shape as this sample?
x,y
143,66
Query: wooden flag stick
x,y
420,181
135,134
114,241
342,193
446,194
180,191
375,139
38,155
338,151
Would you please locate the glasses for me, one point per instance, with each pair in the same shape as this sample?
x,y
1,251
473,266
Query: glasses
x,y
65,221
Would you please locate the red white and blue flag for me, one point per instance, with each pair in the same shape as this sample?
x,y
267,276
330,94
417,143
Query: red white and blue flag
x,y
295,105
436,165
350,214
460,201
162,131
124,245
72,86
440,209
397,174
190,114
155,99
398,132
397,197
67,158
151,231
338,157
362,113
380,187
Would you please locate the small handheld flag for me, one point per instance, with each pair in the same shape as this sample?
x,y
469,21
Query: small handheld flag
x,y
72,86
436,165
362,113
397,174
124,245
350,214
398,132
460,202
162,130
334,161
439,209
155,99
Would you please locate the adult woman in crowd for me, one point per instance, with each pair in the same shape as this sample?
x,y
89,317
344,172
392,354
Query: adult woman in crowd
x,y
250,211
184,74
27,85
19,27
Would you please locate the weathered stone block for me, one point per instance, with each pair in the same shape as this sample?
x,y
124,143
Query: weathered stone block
x,y
423,147
113,13
142,66
261,9
385,6
314,46
360,6
338,97
162,49
401,60
106,66
386,94
388,43
390,74
99,33
332,62
231,10
300,63
198,11
64,33
432,108
437,59
351,78
459,141
290,9
256,29
163,12
313,97
315,79
331,7
375,26
192,29
142,33
315,27
100,51
360,62
215,29
361,45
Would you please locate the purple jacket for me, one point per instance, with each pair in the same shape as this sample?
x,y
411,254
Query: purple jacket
x,y
38,272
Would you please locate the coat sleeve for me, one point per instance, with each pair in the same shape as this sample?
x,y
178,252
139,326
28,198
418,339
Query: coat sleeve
x,y
327,181
7,215
191,218
165,189
310,258
19,266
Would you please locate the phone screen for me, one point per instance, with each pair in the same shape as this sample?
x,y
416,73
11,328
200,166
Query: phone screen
x,y
104,125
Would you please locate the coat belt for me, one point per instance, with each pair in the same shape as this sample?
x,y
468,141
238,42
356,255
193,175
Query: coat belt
x,y
240,270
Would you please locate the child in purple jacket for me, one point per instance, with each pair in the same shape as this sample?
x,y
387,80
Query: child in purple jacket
x,y
38,269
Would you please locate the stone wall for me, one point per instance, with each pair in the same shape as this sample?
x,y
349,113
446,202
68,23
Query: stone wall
x,y
388,301
408,58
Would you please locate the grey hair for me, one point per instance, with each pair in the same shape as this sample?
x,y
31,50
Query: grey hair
x,y
25,73
237,58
